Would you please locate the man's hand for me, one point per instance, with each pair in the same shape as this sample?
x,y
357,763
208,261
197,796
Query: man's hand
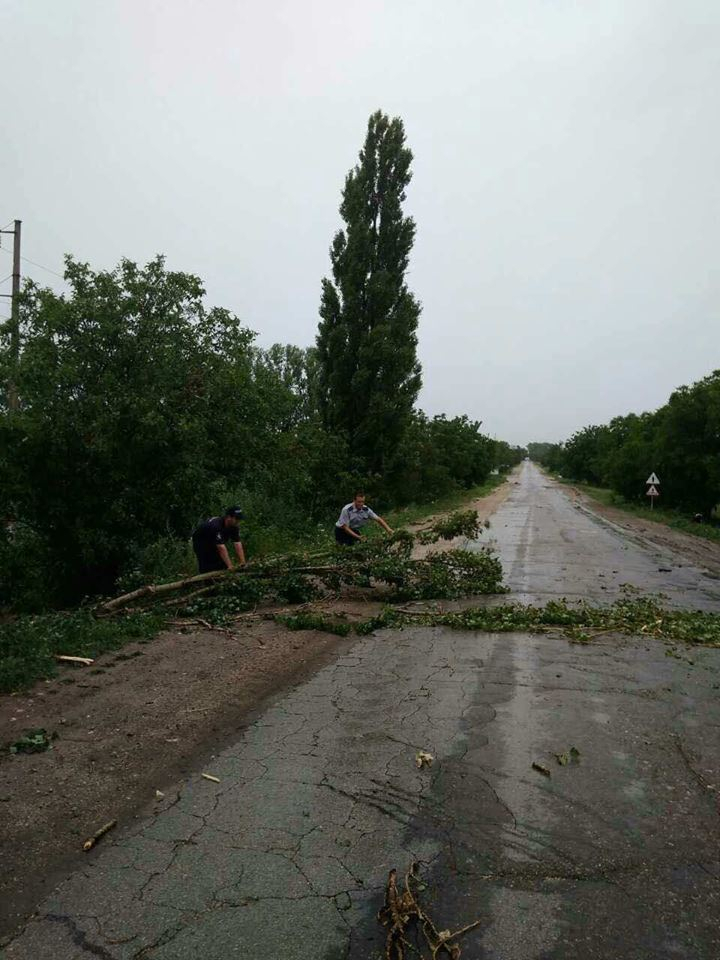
x,y
224,555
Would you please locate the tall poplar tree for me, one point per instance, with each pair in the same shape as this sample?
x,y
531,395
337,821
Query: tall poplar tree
x,y
369,374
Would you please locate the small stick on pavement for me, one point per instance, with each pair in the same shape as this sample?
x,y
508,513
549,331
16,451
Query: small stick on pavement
x,y
98,835
85,661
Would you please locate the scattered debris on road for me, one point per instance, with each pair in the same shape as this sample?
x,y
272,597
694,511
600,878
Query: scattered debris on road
x,y
423,759
209,776
540,768
580,623
80,661
402,916
98,835
572,756
33,741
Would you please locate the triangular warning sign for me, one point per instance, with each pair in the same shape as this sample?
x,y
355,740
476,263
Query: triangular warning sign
x,y
653,478
653,492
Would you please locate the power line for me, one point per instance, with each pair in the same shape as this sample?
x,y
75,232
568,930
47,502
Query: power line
x,y
6,278
40,265
54,272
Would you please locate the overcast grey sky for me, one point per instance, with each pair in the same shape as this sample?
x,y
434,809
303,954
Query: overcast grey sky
x,y
565,184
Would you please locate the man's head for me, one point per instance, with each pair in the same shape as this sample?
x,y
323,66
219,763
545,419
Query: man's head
x,y
359,499
233,515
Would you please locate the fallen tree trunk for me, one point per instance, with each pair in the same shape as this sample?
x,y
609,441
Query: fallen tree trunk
x,y
152,590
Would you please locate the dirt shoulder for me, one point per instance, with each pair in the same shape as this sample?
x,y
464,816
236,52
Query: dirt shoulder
x,y
703,553
485,507
137,721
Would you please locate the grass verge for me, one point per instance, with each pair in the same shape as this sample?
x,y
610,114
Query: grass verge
x,y
671,518
414,513
29,644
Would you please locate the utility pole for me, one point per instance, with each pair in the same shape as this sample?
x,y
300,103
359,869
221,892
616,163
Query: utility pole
x,y
12,395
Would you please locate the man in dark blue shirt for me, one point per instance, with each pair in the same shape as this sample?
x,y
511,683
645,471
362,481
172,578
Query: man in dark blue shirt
x,y
210,538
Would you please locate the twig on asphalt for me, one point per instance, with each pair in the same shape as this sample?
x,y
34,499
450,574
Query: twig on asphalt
x,y
98,835
403,910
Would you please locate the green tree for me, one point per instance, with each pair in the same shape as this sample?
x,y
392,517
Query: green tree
x,y
680,442
537,451
582,459
368,371
139,410
506,456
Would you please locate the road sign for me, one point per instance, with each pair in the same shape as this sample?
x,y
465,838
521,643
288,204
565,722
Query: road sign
x,y
653,492
653,479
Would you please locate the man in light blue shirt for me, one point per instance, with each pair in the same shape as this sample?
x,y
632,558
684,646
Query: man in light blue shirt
x,y
353,518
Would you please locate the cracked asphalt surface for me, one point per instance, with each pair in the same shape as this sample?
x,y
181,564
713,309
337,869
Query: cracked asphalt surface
x,y
615,856
550,547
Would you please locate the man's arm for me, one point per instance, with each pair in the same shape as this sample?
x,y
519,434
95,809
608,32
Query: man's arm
x,y
224,555
382,523
240,553
347,528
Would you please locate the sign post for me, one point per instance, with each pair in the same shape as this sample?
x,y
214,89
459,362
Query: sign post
x,y
653,482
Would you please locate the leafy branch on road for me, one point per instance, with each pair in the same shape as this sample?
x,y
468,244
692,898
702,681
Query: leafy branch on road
x,y
29,645
632,617
298,578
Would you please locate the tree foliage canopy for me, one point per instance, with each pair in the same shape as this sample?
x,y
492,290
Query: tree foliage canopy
x,y
141,412
680,442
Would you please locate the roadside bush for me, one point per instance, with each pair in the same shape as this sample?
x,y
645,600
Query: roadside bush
x,y
29,645
26,576
164,559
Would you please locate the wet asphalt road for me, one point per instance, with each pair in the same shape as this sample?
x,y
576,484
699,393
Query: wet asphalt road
x,y
550,547
615,856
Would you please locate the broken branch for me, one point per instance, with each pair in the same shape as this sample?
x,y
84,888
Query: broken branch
x,y
89,844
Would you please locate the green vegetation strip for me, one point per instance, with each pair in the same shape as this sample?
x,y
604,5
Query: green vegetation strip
x,y
643,617
29,645
580,624
670,518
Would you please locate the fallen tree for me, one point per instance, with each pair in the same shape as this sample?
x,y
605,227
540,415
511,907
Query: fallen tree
x,y
299,577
